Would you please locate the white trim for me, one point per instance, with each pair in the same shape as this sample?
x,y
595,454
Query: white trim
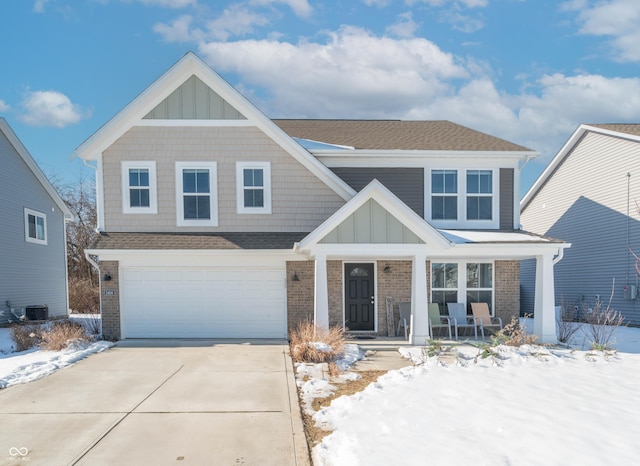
x,y
378,192
100,194
375,292
35,169
462,222
197,123
34,213
266,188
213,195
153,190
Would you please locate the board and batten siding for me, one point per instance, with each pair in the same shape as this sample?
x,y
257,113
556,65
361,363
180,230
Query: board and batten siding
x,y
300,201
585,203
30,273
406,183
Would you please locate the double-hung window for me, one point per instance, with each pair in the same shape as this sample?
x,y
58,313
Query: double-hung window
x,y
460,281
196,194
35,227
444,284
480,283
253,181
139,188
444,194
479,194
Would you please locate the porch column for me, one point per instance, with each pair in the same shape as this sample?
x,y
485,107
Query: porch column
x,y
419,316
544,315
321,300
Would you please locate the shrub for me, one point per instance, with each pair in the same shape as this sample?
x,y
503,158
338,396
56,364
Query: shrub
x,y
566,327
84,297
61,334
602,324
513,334
305,338
26,336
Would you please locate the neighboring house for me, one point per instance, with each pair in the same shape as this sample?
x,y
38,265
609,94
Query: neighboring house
x,y
33,269
589,195
217,221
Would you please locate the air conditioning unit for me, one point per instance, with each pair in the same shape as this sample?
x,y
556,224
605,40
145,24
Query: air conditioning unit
x,y
37,312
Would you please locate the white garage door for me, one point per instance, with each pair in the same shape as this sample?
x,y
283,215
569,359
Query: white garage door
x,y
203,303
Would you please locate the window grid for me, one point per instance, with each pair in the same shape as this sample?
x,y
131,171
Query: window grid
x,y
444,195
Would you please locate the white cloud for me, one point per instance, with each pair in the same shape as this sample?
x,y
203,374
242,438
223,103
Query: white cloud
x,y
4,107
454,3
353,74
300,7
170,3
237,20
38,6
617,19
49,108
181,30
405,26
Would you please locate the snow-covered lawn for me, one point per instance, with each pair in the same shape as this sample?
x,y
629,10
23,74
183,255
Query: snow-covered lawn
x,y
527,406
34,364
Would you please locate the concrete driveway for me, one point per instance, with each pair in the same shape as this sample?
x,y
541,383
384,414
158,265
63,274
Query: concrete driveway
x,y
160,402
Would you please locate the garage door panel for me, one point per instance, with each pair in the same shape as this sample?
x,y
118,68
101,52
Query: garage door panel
x,y
203,303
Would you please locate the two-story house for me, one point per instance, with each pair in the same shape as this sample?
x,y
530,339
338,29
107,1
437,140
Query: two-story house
x,y
33,268
217,221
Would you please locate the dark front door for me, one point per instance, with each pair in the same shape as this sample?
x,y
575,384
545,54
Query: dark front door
x,y
359,296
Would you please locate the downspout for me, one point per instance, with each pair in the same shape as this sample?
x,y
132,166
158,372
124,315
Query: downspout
x,y
559,257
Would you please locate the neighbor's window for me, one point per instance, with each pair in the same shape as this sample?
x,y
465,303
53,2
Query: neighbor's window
x,y
196,194
139,188
35,226
253,180
479,194
444,284
444,194
479,284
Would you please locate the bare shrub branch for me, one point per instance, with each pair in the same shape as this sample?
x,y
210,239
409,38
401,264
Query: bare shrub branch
x,y
602,323
304,338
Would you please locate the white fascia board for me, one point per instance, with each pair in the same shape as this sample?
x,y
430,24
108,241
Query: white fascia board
x,y
362,157
354,251
378,192
187,66
505,251
22,151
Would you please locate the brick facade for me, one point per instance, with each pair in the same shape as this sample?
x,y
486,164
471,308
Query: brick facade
x,y
110,300
507,289
395,283
300,299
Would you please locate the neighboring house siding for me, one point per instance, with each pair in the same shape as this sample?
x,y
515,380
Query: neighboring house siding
x,y
406,183
585,203
300,201
30,274
506,199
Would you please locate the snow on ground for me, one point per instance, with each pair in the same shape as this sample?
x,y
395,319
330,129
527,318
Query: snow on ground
x,y
33,364
525,406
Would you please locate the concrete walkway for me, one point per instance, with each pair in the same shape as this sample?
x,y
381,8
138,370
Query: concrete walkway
x,y
160,402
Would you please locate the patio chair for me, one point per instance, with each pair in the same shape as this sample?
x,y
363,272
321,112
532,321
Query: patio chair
x,y
483,316
460,319
405,318
436,320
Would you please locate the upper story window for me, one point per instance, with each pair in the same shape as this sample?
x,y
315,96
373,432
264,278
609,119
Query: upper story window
x,y
196,194
139,194
35,226
444,194
479,194
253,181
462,198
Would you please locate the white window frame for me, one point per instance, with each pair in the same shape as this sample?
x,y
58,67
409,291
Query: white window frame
x,y
462,280
37,215
213,195
240,187
153,193
462,221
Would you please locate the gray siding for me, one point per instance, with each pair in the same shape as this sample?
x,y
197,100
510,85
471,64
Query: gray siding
x,y
194,100
300,201
585,203
406,183
506,198
30,274
371,223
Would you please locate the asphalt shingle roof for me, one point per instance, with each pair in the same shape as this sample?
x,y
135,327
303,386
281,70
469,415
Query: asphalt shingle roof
x,y
197,240
396,135
630,128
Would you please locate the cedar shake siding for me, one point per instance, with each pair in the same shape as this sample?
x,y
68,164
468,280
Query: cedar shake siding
x,y
300,201
406,183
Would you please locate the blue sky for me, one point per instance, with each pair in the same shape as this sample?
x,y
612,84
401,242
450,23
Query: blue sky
x,y
529,71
